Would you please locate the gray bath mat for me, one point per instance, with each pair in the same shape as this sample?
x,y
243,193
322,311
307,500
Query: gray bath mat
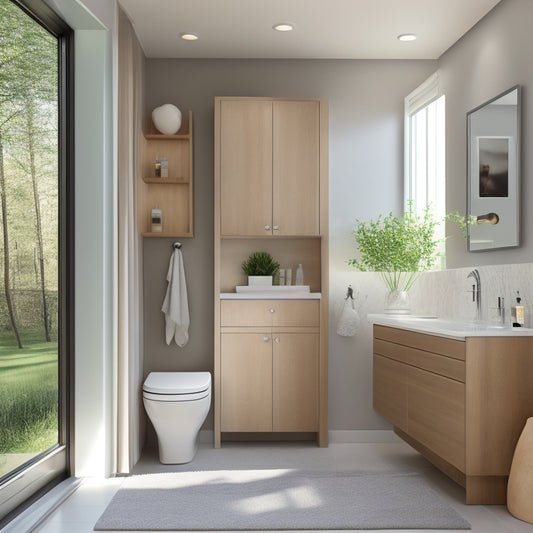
x,y
277,500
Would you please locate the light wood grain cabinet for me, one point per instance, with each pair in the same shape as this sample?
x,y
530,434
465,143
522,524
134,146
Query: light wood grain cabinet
x,y
269,382
246,382
461,403
271,194
269,167
269,365
390,390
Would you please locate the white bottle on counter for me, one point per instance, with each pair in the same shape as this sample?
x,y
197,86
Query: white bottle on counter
x,y
299,275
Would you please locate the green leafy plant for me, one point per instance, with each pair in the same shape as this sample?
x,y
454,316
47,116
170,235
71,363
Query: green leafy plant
x,y
260,264
399,248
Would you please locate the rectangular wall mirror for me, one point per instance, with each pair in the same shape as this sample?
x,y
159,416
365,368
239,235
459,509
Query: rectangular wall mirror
x,y
493,182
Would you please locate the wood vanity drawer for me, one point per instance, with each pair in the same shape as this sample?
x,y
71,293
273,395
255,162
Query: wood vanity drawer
x,y
422,341
243,313
436,363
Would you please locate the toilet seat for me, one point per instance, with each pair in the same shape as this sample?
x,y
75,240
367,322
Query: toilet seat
x,y
177,386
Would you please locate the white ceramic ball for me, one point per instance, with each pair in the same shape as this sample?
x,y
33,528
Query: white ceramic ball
x,y
167,119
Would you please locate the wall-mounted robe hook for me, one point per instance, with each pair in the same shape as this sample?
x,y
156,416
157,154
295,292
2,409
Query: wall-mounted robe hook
x,y
349,292
176,245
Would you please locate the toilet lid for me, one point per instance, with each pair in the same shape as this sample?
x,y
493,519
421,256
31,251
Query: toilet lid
x,y
177,382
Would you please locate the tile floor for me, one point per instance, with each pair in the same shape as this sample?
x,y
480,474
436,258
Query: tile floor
x,y
80,511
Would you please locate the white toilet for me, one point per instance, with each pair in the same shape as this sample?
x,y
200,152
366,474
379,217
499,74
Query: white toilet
x,y
177,404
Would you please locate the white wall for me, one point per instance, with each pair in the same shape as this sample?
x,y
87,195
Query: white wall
x,y
489,59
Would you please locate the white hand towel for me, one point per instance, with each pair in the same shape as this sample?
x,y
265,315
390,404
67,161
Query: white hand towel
x,y
349,319
176,305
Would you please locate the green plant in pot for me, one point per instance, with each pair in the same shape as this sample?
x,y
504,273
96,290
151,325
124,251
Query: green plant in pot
x,y
399,248
260,267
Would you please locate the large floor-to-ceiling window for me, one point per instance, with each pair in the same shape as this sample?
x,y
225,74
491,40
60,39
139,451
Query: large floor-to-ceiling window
x,y
35,248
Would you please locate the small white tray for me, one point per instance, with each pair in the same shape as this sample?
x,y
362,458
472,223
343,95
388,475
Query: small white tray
x,y
273,288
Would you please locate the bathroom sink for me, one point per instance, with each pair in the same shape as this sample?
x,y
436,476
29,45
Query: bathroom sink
x,y
449,327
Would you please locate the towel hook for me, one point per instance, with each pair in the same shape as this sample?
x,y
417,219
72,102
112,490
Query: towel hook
x,y
349,292
176,245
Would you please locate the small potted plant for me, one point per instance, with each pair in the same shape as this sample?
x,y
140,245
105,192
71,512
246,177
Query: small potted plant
x,y
260,267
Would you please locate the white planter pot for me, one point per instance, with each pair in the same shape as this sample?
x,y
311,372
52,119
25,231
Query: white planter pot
x,y
264,281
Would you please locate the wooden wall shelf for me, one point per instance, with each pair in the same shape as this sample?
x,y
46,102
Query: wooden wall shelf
x,y
173,195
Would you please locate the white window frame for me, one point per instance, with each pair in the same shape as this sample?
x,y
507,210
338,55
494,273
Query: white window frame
x,y
425,172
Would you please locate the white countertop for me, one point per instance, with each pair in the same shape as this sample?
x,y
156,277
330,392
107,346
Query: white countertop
x,y
270,295
448,327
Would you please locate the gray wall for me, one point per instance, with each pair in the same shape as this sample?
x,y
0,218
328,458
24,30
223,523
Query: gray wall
x,y
366,179
494,56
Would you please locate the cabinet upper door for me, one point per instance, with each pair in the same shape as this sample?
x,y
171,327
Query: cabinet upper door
x,y
296,164
246,167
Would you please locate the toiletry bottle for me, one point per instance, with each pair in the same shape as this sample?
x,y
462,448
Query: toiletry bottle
x,y
517,313
164,167
288,276
299,275
157,220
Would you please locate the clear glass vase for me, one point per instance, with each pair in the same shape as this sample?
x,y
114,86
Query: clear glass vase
x,y
397,303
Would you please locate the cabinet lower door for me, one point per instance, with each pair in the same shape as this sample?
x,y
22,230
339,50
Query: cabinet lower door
x,y
295,381
390,390
245,382
437,414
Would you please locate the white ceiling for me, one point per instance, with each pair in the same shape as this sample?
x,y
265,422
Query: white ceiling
x,y
325,29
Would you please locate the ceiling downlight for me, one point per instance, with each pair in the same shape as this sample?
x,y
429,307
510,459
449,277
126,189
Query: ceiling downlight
x,y
283,26
406,37
189,36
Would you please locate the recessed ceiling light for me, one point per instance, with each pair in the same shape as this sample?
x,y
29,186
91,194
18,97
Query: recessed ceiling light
x,y
188,36
407,37
283,26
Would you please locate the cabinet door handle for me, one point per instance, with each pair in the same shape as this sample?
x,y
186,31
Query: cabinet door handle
x,y
272,310
275,228
267,228
266,338
276,339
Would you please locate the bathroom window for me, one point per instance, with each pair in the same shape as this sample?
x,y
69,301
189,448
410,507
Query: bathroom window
x,y
425,181
35,250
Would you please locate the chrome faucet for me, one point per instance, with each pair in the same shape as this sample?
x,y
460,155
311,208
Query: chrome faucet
x,y
476,292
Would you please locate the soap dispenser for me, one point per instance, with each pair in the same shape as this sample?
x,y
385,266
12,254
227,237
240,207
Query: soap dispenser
x,y
518,313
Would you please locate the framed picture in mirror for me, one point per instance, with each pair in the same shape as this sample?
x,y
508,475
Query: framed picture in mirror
x,y
493,173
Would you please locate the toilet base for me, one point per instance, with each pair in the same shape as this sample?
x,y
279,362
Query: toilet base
x,y
177,426
178,453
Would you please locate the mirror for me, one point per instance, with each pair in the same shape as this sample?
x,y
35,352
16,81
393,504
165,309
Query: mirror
x,y
493,155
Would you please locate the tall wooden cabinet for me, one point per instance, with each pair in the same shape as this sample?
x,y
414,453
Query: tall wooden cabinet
x,y
271,161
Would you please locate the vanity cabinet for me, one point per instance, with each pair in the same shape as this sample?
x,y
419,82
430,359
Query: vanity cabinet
x,y
269,166
461,403
172,194
269,365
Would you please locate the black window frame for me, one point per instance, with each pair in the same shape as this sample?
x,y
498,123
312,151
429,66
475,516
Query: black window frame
x,y
31,480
